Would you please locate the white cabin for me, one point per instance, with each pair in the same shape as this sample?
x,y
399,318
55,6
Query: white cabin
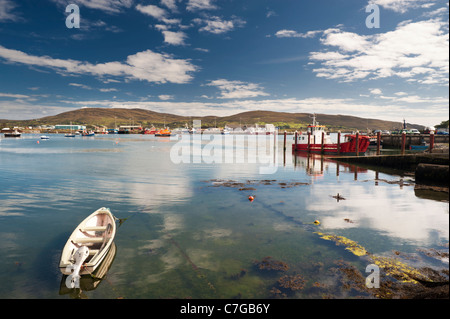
x,y
315,134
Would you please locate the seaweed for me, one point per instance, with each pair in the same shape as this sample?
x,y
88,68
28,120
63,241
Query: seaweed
x,y
268,263
292,282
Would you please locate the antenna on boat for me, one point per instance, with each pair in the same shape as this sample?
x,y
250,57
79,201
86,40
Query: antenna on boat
x,y
314,119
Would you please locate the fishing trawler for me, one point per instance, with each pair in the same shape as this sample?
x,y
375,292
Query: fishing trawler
x,y
316,140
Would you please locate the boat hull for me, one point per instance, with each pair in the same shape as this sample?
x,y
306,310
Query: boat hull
x,y
346,148
96,232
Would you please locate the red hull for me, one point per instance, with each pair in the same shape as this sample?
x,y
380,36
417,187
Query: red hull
x,y
346,148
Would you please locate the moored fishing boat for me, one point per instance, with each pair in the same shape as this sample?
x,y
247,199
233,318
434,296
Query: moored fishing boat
x,y
90,133
88,244
163,132
14,133
315,140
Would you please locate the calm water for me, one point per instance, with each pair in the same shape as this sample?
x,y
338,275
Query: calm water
x,y
191,231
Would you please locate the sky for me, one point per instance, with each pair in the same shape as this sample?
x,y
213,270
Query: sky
x,y
381,59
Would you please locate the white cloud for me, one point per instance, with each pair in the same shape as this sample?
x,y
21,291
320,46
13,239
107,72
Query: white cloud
x,y
146,66
237,89
171,4
6,14
194,5
14,96
174,38
153,11
295,34
402,6
217,26
109,6
107,90
83,86
417,51
376,91
165,97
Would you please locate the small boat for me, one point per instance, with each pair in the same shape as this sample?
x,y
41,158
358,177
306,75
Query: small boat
x,y
90,133
45,137
148,131
418,147
88,244
71,134
14,133
163,132
315,140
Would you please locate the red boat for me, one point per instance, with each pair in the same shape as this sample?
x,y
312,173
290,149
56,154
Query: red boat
x,y
311,142
149,131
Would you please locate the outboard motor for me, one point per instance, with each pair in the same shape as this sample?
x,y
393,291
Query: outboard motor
x,y
73,280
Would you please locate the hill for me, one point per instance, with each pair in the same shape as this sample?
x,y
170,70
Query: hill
x,y
112,117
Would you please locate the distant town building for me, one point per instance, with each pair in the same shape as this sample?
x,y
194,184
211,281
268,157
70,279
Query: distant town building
x,y
70,127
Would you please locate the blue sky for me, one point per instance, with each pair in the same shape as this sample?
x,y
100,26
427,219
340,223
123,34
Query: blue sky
x,y
222,57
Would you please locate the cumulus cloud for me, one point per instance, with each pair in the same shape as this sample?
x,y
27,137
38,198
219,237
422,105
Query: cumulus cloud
x,y
171,4
108,6
146,66
417,51
217,25
195,5
174,38
153,11
237,89
402,6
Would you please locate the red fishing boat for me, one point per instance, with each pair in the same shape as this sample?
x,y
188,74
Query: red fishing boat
x,y
316,140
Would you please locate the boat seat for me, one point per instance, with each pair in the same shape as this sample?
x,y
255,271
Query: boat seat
x,y
93,228
93,251
92,240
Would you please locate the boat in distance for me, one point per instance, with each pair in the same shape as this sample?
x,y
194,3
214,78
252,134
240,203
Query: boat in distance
x,y
13,133
315,140
163,132
94,237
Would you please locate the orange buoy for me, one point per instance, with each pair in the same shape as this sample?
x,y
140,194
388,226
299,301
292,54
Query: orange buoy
x,y
38,142
316,222
251,198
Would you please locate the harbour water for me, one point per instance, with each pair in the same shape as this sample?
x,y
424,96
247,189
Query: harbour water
x,y
189,229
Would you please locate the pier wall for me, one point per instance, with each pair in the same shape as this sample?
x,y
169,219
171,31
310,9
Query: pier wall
x,y
432,174
395,140
404,162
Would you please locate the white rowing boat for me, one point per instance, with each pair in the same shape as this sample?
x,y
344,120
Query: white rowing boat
x,y
89,243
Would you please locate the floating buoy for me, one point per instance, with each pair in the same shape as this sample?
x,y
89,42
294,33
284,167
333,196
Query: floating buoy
x,y
251,198
316,222
37,142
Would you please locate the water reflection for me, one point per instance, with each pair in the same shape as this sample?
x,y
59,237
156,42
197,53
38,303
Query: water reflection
x,y
377,202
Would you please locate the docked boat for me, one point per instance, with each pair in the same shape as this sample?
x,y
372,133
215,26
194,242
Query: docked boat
x,y
423,147
149,131
311,141
163,132
45,137
88,244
